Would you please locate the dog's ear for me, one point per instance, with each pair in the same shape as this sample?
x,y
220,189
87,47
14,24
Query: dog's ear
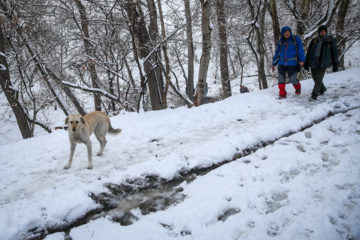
x,y
82,120
66,120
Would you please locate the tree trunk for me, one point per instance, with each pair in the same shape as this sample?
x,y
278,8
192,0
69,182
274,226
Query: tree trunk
x,y
275,22
260,36
130,10
138,27
89,51
258,26
238,51
111,76
224,68
167,61
190,45
155,84
11,92
205,56
304,11
340,30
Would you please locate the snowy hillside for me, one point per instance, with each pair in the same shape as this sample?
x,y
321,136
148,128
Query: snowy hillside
x,y
299,177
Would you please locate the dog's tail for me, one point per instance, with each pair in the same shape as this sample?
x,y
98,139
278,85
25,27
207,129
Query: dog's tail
x,y
114,131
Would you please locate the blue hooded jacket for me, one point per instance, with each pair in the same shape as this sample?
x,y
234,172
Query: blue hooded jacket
x,y
286,53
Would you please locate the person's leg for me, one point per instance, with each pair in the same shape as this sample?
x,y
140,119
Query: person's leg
x,y
323,90
293,72
318,75
281,78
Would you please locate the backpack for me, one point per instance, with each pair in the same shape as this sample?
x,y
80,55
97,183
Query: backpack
x,y
296,47
243,89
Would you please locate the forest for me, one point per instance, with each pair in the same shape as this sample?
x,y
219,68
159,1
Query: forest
x,y
77,56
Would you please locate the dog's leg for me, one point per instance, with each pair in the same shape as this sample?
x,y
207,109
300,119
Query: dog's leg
x,y
102,140
72,150
89,149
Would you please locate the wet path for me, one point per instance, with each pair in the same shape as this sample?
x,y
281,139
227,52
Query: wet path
x,y
151,194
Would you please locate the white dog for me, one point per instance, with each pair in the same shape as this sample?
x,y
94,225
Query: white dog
x,y
80,129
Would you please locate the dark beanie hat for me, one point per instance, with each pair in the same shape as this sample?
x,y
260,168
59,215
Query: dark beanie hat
x,y
322,27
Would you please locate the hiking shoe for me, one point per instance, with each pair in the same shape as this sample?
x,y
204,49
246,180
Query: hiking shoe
x,y
313,98
322,91
298,92
281,97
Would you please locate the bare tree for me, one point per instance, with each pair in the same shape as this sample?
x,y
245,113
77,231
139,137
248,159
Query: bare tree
x,y
89,49
275,21
141,35
340,26
304,12
166,57
258,27
26,37
11,92
190,47
205,56
224,68
315,18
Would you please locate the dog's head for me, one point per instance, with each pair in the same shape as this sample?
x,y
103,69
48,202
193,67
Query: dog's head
x,y
74,121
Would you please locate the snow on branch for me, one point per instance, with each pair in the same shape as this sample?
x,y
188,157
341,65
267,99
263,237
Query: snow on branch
x,y
164,40
100,64
93,90
2,67
45,126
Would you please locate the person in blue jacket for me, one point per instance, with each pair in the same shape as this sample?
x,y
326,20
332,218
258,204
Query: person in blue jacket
x,y
290,57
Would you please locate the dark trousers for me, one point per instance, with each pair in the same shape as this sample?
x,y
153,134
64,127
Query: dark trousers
x,y
292,72
318,76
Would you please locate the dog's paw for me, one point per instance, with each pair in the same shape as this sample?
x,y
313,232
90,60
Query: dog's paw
x,y
99,153
89,167
66,167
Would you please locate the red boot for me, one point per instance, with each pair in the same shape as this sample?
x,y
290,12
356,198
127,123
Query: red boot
x,y
282,92
297,89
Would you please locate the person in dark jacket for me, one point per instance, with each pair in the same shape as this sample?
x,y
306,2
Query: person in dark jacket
x,y
321,54
290,57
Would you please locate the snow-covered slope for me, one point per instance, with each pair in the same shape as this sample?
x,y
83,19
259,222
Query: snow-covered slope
x,y
304,186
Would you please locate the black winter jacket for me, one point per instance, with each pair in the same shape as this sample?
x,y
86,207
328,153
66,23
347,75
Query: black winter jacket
x,y
328,54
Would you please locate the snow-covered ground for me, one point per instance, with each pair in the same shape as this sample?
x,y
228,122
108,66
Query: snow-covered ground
x,y
302,186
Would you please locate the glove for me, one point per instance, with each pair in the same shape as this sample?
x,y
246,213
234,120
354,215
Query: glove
x,y
306,67
335,68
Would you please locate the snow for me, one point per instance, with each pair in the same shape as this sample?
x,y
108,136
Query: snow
x,y
304,184
85,88
2,67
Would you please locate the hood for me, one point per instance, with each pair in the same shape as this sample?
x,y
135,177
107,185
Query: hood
x,y
284,29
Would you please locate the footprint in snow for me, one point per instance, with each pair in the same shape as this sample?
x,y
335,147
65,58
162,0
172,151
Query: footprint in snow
x,y
273,230
300,148
228,213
